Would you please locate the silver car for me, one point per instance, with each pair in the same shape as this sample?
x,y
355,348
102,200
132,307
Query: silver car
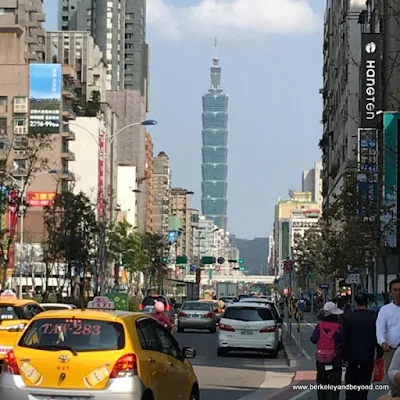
x,y
197,315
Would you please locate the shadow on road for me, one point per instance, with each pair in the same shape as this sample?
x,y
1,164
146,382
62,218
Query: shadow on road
x,y
226,393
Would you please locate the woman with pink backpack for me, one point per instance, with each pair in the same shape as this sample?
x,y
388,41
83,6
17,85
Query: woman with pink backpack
x,y
329,337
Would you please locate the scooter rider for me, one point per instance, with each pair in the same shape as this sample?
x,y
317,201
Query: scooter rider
x,y
160,315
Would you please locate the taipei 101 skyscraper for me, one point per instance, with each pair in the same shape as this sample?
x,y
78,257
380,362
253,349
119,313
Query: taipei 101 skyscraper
x,y
214,201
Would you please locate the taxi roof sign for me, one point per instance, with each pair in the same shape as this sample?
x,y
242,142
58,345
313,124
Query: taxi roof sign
x,y
102,303
8,294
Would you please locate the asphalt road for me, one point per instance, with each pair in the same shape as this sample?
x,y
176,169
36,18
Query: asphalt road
x,y
236,376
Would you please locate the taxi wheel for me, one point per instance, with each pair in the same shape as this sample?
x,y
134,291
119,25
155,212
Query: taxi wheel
x,y
195,394
274,353
222,352
213,330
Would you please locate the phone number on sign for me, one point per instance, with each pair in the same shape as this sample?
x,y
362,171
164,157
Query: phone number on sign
x,y
341,387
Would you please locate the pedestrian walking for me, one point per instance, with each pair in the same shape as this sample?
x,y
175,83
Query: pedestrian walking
x,y
388,324
329,337
394,374
361,347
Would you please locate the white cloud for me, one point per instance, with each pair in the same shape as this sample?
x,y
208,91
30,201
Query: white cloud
x,y
232,17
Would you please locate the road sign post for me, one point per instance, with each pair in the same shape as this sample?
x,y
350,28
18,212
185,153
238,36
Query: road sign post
x,y
353,278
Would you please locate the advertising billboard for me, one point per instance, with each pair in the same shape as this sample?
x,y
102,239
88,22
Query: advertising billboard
x,y
40,199
101,174
368,172
391,126
370,78
45,82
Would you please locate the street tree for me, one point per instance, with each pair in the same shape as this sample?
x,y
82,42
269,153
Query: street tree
x,y
22,161
125,247
72,231
156,246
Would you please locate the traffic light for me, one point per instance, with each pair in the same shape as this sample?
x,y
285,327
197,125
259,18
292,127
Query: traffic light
x,y
164,260
241,268
240,261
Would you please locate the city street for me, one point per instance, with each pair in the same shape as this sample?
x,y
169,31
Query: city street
x,y
238,376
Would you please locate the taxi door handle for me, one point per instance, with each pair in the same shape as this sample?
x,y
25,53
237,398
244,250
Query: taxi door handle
x,y
152,360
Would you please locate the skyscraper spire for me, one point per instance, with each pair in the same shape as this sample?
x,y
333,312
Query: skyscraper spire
x,y
215,69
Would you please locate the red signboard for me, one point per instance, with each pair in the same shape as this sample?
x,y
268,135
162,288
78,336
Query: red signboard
x,y
12,225
101,174
40,199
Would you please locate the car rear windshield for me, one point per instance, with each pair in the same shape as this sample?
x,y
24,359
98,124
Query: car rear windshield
x,y
150,300
76,334
248,314
197,306
9,312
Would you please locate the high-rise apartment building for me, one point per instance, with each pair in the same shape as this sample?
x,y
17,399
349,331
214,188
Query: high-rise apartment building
x,y
311,181
119,29
340,93
26,15
180,207
148,172
161,181
16,81
214,200
79,50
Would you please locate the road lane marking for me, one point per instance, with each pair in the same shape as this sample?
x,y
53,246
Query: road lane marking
x,y
306,355
301,394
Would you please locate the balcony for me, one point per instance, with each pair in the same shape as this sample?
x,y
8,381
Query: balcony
x,y
67,155
68,90
67,175
67,111
32,56
40,32
20,105
40,48
20,130
33,23
41,17
19,172
67,133
69,71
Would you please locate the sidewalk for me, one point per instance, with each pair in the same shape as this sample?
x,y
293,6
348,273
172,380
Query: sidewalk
x,y
305,366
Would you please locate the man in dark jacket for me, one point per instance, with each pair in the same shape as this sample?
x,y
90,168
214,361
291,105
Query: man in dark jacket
x,y
361,347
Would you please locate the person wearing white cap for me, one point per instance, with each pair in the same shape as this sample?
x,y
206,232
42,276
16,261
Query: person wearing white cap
x,y
329,337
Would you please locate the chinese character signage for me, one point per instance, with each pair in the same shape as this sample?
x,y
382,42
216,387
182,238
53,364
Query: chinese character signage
x,y
370,76
45,98
101,174
40,199
368,172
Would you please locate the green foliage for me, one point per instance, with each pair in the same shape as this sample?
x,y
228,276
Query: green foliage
x,y
156,246
125,247
87,108
71,229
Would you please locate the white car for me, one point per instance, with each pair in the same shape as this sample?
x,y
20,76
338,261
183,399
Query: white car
x,y
248,326
275,310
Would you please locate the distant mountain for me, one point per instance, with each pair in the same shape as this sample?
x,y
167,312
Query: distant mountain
x,y
254,254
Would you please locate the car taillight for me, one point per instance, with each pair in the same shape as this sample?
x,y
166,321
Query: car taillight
x,y
125,366
140,307
223,327
268,329
182,314
10,364
208,315
168,307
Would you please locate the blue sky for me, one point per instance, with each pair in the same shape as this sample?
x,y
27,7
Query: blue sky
x,y
41,82
271,58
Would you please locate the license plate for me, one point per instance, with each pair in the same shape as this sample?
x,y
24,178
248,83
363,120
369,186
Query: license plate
x,y
195,316
246,333
62,398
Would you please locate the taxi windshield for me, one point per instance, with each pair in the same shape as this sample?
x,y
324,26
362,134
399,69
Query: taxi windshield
x,y
77,334
9,312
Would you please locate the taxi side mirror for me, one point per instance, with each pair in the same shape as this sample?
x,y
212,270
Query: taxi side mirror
x,y
189,352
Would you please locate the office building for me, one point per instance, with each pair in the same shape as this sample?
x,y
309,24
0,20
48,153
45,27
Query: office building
x,y
204,238
161,182
148,172
180,207
311,181
119,29
79,50
282,240
28,16
340,93
214,200
86,151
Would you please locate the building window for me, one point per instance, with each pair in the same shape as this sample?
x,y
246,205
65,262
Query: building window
x,y
129,16
19,164
19,121
3,101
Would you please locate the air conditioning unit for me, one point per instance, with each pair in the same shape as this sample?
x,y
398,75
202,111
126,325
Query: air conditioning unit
x,y
21,130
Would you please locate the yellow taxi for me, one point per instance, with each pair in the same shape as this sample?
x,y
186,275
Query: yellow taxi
x,y
14,315
98,354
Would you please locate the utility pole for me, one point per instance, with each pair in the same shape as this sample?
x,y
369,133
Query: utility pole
x,y
21,237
